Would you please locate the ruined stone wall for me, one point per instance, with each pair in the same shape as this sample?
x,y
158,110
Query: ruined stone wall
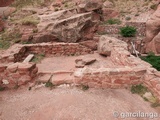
x,y
16,74
58,49
13,54
114,29
152,82
111,77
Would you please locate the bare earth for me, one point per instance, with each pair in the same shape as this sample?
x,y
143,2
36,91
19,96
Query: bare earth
x,y
66,103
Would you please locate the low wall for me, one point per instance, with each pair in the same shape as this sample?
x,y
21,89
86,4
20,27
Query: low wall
x,y
17,52
16,74
58,49
111,77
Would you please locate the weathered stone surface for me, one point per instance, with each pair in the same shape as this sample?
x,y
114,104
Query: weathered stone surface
x,y
67,26
108,4
103,46
2,67
29,58
80,63
44,78
13,67
109,13
92,44
153,32
90,5
26,66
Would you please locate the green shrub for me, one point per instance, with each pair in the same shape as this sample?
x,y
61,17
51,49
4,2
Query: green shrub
x,y
112,21
154,6
138,89
128,31
128,18
153,60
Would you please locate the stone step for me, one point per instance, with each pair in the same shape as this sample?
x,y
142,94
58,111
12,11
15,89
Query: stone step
x,y
57,78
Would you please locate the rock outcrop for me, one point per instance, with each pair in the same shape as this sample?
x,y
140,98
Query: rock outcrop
x,y
152,40
71,25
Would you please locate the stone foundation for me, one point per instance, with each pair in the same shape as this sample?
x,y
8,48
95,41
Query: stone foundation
x,y
115,29
16,74
58,49
111,77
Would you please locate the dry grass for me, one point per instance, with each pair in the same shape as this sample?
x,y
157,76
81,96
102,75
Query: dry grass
x,y
126,7
24,3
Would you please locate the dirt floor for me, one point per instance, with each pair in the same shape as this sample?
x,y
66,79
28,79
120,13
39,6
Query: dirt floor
x,y
70,103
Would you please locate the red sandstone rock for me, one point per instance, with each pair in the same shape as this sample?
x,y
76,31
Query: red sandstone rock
x,y
90,5
24,79
153,32
103,47
26,66
108,4
2,67
13,67
109,13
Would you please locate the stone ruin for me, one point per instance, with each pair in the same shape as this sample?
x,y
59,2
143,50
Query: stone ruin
x,y
118,69
111,66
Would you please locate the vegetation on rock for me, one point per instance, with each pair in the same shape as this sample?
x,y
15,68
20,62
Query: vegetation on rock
x,y
128,31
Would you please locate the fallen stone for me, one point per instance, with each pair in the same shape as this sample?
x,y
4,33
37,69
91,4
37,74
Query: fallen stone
x,y
5,82
80,63
29,58
103,47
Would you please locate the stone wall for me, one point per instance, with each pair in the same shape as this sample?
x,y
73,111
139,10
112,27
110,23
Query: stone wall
x,y
17,52
13,54
152,82
16,74
114,29
58,49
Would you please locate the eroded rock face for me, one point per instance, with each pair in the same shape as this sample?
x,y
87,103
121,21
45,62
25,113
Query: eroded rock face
x,y
153,32
67,25
90,5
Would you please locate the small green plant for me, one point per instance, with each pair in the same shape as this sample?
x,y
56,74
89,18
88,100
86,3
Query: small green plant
x,y
154,6
128,18
49,84
139,89
85,87
4,44
38,58
35,30
137,14
156,104
2,88
112,21
56,9
153,60
128,31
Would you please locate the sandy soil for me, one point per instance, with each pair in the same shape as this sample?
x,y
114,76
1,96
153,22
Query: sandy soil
x,y
65,103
